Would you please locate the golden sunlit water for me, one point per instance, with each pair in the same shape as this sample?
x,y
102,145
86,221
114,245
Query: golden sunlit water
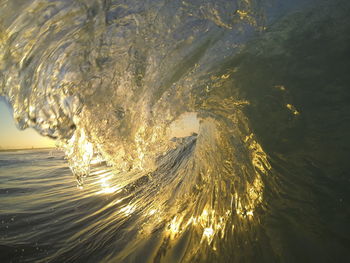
x,y
187,131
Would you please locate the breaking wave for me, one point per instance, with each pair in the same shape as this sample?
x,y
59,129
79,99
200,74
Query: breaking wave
x,y
161,105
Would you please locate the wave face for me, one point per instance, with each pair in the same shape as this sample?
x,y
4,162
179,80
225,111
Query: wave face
x,y
113,80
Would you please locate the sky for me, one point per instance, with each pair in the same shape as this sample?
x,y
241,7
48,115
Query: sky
x,y
185,125
13,138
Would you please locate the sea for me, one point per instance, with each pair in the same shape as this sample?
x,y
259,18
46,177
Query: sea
x,y
187,131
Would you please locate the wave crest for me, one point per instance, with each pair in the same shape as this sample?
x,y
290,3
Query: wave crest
x,y
108,79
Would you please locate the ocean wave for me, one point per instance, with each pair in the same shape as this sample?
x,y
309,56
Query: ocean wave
x,y
113,80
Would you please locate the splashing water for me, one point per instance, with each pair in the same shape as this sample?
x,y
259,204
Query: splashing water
x,y
161,103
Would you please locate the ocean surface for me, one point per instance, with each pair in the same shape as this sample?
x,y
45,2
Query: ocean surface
x,y
188,131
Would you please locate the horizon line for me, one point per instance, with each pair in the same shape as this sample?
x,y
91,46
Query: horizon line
x,y
30,148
